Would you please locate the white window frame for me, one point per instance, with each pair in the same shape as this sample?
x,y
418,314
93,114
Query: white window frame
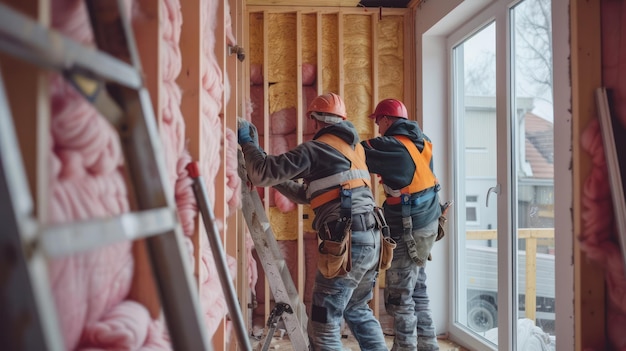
x,y
435,21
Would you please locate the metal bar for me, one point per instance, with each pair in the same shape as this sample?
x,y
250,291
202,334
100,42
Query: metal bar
x,y
218,254
70,238
26,39
28,319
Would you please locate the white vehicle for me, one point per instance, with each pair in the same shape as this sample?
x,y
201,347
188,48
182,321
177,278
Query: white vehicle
x,y
482,288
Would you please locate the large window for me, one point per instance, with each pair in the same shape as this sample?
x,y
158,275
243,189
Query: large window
x,y
501,90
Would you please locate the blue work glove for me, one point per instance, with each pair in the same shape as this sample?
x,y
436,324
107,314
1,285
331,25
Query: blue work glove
x,y
247,132
243,131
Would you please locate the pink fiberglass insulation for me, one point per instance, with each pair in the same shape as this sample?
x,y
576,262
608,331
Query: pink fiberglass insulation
x,y
282,123
598,237
86,181
212,299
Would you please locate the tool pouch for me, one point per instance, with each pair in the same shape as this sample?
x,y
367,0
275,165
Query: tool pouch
x,y
335,258
387,244
386,252
441,230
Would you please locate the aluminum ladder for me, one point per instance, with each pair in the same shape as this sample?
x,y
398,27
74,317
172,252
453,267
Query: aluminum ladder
x,y
289,306
111,79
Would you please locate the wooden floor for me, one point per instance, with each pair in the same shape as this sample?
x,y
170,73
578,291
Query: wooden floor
x,y
351,344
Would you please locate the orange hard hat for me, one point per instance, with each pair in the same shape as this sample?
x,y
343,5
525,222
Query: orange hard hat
x,y
391,108
329,103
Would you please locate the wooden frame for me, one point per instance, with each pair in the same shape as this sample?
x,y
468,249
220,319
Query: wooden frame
x,y
586,76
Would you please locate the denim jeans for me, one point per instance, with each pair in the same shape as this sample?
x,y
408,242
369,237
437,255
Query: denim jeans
x,y
346,297
406,298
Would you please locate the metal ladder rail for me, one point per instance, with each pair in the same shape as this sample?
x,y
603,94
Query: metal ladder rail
x,y
219,256
132,115
27,316
276,270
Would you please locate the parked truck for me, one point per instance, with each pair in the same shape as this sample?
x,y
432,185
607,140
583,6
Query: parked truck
x,y
482,288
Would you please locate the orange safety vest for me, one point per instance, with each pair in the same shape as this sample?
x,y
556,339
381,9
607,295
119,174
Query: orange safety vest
x,y
422,179
357,176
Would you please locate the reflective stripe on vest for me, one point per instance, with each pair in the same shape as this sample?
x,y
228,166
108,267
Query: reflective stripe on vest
x,y
423,178
357,176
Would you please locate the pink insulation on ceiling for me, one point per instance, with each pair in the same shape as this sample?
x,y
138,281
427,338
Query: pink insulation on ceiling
x,y
599,236
86,181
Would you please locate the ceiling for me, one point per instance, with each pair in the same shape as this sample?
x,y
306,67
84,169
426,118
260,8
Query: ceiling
x,y
337,3
385,3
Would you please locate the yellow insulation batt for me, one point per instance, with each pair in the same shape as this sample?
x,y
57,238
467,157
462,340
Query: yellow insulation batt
x,y
282,45
391,57
284,225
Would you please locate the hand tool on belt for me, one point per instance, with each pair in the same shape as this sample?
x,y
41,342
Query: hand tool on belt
x,y
381,222
387,244
407,222
337,230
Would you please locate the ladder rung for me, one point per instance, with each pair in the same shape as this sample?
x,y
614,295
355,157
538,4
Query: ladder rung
x,y
22,37
75,237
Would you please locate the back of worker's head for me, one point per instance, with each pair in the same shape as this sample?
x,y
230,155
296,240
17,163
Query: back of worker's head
x,y
390,108
328,108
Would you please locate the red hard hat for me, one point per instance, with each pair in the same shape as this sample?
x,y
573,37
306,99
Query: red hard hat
x,y
391,108
328,103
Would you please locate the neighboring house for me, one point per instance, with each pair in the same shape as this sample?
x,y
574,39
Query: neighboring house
x,y
537,209
535,168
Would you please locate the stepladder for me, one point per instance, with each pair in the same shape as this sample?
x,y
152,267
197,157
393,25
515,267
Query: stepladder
x,y
110,78
288,305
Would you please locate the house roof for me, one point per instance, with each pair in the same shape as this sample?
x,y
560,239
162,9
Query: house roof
x,y
539,146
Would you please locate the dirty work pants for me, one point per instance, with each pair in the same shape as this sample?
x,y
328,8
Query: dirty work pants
x,y
406,298
346,297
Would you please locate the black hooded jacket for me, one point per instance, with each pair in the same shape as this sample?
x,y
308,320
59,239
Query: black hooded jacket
x,y
387,157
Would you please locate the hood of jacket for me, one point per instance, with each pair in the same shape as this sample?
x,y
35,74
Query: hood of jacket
x,y
407,128
344,129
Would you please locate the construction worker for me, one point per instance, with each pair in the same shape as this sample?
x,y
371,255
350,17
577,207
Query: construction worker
x,y
336,183
402,157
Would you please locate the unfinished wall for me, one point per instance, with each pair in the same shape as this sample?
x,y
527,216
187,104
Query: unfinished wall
x,y
295,56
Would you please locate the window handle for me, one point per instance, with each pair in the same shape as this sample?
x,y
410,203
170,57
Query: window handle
x,y
495,189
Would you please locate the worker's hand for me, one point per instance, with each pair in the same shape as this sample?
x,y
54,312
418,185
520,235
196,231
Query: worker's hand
x,y
246,132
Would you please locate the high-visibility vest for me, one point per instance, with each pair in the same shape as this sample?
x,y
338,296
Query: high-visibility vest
x,y
423,178
357,176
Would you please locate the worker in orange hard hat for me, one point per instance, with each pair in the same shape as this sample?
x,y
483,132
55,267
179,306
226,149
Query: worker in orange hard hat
x,y
336,183
402,157
328,108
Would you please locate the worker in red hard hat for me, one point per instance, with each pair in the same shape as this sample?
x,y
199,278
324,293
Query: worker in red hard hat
x,y
336,183
402,157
